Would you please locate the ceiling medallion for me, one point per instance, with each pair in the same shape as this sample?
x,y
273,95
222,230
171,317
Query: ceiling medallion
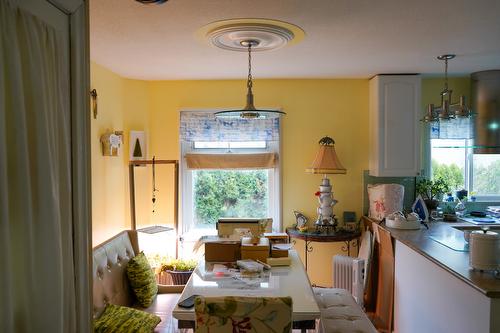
x,y
232,37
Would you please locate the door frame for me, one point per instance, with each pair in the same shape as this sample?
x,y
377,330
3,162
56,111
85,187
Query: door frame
x,y
81,172
77,12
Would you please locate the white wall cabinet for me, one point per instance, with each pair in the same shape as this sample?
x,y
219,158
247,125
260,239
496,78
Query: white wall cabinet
x,y
395,126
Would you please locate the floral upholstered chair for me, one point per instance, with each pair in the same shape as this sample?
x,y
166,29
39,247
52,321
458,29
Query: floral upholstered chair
x,y
243,314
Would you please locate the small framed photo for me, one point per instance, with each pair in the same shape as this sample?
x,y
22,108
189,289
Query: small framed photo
x,y
137,146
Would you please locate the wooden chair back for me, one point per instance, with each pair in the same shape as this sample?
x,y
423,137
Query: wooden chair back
x,y
384,299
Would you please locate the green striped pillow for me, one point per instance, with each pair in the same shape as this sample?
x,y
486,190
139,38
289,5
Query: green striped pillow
x,y
121,319
142,280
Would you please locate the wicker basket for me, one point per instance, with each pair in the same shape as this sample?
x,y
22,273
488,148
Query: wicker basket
x,y
163,278
179,278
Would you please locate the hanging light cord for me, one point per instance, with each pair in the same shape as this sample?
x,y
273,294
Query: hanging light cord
x,y
445,91
249,81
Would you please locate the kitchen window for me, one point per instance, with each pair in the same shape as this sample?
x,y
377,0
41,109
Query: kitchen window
x,y
455,161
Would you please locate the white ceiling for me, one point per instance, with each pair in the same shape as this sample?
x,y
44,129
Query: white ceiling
x,y
344,38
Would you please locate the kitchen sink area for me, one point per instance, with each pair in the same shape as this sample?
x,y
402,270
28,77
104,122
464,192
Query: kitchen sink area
x,y
456,237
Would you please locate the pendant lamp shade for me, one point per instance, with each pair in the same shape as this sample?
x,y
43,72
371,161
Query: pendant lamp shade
x,y
326,161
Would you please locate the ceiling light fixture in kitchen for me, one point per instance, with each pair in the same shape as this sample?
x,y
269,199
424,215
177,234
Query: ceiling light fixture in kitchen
x,y
448,110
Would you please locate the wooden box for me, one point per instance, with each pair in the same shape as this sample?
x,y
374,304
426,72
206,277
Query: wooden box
x,y
278,253
277,237
258,251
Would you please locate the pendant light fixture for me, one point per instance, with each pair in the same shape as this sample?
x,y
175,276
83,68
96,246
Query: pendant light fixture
x,y
250,35
447,110
250,111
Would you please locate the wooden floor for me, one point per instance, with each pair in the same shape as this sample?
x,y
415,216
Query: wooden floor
x,y
169,324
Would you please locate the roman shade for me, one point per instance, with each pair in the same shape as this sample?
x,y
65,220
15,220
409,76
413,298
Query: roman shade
x,y
203,126
231,161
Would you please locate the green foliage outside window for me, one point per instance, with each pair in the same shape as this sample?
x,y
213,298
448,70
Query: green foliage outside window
x,y
487,179
230,193
452,174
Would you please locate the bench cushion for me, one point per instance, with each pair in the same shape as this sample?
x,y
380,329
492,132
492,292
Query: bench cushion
x,y
340,313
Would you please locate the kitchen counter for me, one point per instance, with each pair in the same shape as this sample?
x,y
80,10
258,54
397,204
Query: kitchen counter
x,y
455,262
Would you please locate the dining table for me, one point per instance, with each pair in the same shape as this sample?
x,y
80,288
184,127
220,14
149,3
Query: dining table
x,y
279,281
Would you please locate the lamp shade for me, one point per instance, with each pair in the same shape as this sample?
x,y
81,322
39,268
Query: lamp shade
x,y
326,161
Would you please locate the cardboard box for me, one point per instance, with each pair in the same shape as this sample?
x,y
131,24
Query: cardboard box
x,y
226,226
259,251
222,251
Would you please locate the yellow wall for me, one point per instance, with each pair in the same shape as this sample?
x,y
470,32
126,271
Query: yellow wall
x,y
315,108
122,105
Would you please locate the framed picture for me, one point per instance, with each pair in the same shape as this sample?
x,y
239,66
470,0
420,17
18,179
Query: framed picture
x,y
137,146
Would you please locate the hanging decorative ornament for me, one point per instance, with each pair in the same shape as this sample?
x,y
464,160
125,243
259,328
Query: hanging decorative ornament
x,y
154,184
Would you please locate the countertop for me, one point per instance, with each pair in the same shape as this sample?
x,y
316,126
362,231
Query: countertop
x,y
455,262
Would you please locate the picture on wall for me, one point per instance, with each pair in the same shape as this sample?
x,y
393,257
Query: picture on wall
x,y
137,147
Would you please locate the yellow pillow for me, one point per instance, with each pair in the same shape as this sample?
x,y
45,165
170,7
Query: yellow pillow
x,y
122,319
142,280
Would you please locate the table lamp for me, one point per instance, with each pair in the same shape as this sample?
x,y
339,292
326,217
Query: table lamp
x,y
326,162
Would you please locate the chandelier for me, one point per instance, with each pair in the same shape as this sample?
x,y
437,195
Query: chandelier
x,y
447,110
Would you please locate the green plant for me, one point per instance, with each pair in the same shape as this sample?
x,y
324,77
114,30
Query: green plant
x,y
431,189
179,265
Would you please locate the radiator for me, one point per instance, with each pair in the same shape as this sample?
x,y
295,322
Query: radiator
x,y
348,273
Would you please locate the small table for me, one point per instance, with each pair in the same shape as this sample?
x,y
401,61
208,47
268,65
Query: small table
x,y
311,235
282,281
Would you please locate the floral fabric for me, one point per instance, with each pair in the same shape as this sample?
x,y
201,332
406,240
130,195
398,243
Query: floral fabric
x,y
385,199
243,314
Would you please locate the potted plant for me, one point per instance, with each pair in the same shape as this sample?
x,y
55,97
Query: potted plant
x,y
431,191
179,269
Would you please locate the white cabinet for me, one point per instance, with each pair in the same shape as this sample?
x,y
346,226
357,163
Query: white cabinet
x,y
395,126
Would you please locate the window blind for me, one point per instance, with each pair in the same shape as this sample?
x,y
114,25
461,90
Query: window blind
x,y
203,126
232,161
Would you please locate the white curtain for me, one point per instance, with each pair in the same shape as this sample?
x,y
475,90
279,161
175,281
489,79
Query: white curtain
x,y
37,292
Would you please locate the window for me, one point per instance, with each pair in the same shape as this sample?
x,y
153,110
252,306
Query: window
x,y
229,168
455,161
230,193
